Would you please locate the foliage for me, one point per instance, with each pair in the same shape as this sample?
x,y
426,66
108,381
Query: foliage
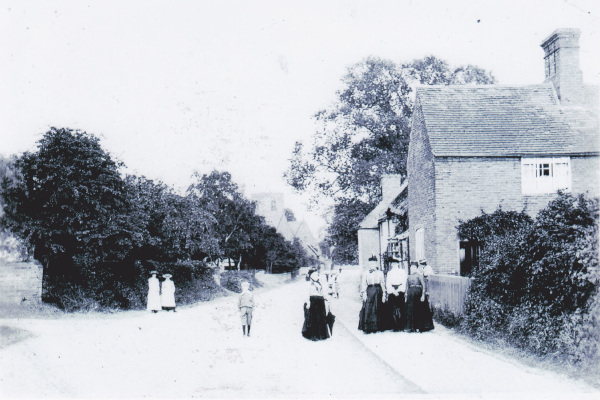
x,y
235,217
175,228
364,134
232,280
560,276
68,200
112,293
537,283
447,317
98,234
343,229
239,233
480,229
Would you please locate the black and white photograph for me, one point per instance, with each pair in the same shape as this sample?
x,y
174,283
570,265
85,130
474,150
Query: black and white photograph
x,y
300,200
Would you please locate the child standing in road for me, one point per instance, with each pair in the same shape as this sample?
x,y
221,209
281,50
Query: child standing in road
x,y
245,305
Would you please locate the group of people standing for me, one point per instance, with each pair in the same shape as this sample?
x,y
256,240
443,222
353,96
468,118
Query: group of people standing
x,y
397,302
160,298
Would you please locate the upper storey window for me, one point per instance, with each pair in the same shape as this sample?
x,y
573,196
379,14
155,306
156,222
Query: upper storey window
x,y
545,175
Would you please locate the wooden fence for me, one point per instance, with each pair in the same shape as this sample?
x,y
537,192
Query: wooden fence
x,y
448,292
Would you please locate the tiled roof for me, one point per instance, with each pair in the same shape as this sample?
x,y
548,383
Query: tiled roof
x,y
496,120
371,221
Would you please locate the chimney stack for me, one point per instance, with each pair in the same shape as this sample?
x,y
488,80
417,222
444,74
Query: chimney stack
x,y
561,61
390,185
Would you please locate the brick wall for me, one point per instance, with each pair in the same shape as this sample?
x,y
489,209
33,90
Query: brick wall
x,y
368,244
464,187
585,172
20,280
421,189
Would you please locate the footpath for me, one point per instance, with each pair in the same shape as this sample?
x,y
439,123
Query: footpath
x,y
442,363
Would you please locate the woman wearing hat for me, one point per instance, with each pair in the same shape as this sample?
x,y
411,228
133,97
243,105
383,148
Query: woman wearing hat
x,y
414,298
373,295
167,296
315,310
396,289
426,314
153,303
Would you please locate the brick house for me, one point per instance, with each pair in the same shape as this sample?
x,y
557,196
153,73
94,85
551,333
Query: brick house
x,y
478,148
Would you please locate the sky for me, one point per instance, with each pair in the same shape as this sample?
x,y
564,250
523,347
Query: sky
x,y
177,87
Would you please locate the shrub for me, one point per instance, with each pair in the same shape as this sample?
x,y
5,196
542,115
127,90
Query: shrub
x,y
447,317
109,292
232,280
537,285
557,276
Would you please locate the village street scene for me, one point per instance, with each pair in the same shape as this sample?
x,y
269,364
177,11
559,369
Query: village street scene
x,y
338,199
199,352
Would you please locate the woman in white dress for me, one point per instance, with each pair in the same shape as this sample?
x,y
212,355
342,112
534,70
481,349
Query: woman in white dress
x,y
167,295
153,303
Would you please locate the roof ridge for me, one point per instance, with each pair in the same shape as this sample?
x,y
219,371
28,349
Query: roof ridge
x,y
494,86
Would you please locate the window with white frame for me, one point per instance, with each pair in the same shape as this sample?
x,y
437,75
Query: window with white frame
x,y
545,175
420,244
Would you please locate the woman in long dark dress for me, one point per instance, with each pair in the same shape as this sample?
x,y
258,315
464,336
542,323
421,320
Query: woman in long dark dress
x,y
371,318
315,311
395,283
414,298
426,319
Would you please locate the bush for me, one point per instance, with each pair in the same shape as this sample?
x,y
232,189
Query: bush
x,y
110,292
232,280
446,317
484,318
537,284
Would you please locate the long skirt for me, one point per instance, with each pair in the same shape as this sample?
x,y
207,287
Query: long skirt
x,y
426,321
370,317
397,310
418,313
315,320
413,308
153,303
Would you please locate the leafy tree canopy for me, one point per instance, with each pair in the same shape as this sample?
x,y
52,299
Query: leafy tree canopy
x,y
365,132
68,198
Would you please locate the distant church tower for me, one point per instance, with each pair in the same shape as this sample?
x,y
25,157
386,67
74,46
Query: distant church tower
x,y
270,206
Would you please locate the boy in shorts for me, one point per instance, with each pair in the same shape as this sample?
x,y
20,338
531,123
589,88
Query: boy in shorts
x,y
245,305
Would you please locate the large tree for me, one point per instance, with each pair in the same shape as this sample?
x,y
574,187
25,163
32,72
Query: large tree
x,y
365,133
175,227
235,217
68,202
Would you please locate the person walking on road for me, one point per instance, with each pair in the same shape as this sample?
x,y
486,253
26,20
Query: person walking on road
x,y
246,305
396,290
373,295
167,295
315,325
153,302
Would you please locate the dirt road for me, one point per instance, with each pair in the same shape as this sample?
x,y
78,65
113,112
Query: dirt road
x,y
200,352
